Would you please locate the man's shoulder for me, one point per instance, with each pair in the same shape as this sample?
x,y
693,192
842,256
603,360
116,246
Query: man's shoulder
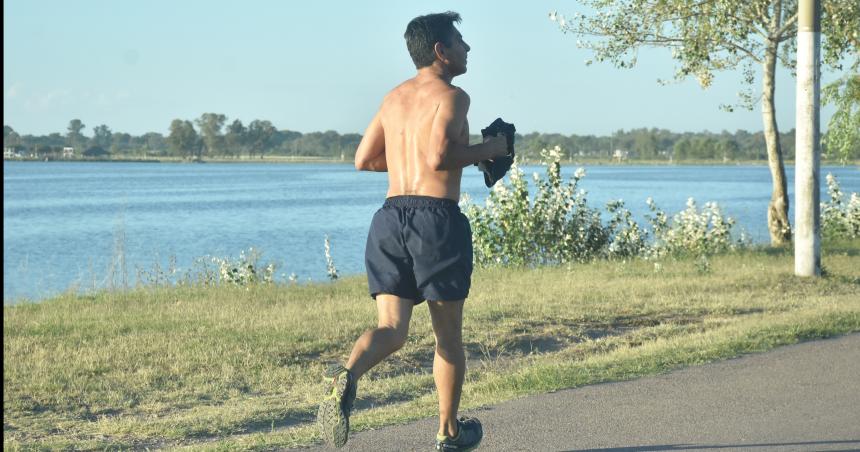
x,y
440,91
454,94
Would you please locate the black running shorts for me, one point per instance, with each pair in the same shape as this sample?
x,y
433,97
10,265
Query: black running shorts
x,y
419,248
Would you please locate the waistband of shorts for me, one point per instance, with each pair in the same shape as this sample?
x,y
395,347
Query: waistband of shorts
x,y
420,201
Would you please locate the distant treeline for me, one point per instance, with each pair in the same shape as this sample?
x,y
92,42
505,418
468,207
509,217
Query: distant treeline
x,y
210,136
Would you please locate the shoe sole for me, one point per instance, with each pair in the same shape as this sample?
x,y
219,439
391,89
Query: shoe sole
x,y
472,447
332,420
463,450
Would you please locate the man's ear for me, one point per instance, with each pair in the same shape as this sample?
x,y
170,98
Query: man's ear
x,y
439,50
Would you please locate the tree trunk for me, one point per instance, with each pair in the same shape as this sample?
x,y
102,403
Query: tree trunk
x,y
777,211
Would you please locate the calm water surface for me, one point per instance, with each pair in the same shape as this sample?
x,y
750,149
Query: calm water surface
x,y
63,222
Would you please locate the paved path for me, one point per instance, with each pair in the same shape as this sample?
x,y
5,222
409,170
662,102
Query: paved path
x,y
802,397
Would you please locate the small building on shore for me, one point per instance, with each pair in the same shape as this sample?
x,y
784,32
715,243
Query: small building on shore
x,y
12,153
68,152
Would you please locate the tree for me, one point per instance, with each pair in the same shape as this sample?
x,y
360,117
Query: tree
x,y
120,142
259,136
210,125
10,137
645,143
74,137
102,136
236,137
95,152
728,149
183,139
154,141
707,36
842,139
681,149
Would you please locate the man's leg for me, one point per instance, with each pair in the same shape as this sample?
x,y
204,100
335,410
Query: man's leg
x,y
369,350
389,335
449,363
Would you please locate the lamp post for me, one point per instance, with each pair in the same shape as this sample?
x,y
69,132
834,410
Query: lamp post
x,y
807,220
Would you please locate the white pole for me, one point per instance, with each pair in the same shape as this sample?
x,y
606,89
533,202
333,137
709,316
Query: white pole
x,y
807,219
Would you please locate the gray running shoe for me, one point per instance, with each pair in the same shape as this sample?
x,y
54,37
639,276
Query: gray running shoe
x,y
334,411
469,435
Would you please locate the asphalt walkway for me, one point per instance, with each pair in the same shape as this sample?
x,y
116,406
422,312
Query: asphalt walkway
x,y
803,397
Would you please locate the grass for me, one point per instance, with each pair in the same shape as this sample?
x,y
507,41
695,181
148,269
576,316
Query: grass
x,y
238,368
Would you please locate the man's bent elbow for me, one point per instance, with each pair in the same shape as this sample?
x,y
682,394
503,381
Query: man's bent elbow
x,y
361,164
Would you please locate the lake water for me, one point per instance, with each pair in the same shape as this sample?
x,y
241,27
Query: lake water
x,y
63,221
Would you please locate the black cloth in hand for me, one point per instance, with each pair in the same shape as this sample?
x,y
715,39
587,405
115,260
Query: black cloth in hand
x,y
497,168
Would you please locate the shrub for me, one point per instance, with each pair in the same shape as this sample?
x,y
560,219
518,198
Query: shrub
x,y
331,270
559,226
244,271
838,218
691,231
628,238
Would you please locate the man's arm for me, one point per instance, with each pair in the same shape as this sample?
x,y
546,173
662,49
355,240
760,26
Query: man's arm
x,y
447,150
370,155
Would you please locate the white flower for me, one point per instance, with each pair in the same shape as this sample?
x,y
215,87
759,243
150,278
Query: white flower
x,y
580,173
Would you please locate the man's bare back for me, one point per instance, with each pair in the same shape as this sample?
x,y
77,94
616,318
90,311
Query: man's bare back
x,y
420,135
407,116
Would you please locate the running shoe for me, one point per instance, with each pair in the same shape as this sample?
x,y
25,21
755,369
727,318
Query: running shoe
x,y
333,413
469,435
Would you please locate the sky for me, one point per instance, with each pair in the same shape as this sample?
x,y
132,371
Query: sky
x,y
325,65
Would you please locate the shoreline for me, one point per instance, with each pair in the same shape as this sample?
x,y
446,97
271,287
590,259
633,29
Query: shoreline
x,y
291,160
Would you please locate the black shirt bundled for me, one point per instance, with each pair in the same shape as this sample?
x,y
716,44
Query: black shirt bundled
x,y
497,168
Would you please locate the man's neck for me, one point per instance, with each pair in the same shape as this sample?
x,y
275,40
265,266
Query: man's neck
x,y
435,70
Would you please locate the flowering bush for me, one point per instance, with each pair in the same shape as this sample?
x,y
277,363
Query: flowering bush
x,y
245,271
628,238
691,231
559,226
838,218
331,270
212,271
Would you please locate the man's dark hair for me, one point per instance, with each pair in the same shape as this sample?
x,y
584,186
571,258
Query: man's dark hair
x,y
423,32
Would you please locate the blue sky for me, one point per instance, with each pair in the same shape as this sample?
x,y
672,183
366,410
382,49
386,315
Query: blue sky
x,y
325,65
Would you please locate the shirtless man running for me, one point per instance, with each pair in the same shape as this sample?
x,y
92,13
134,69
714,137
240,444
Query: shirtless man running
x,y
419,246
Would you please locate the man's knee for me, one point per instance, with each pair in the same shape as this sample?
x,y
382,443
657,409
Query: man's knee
x,y
397,334
449,341
450,349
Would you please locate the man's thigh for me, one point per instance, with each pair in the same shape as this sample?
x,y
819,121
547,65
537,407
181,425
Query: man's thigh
x,y
447,318
393,311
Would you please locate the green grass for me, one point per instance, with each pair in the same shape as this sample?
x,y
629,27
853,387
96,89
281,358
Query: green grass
x,y
235,368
